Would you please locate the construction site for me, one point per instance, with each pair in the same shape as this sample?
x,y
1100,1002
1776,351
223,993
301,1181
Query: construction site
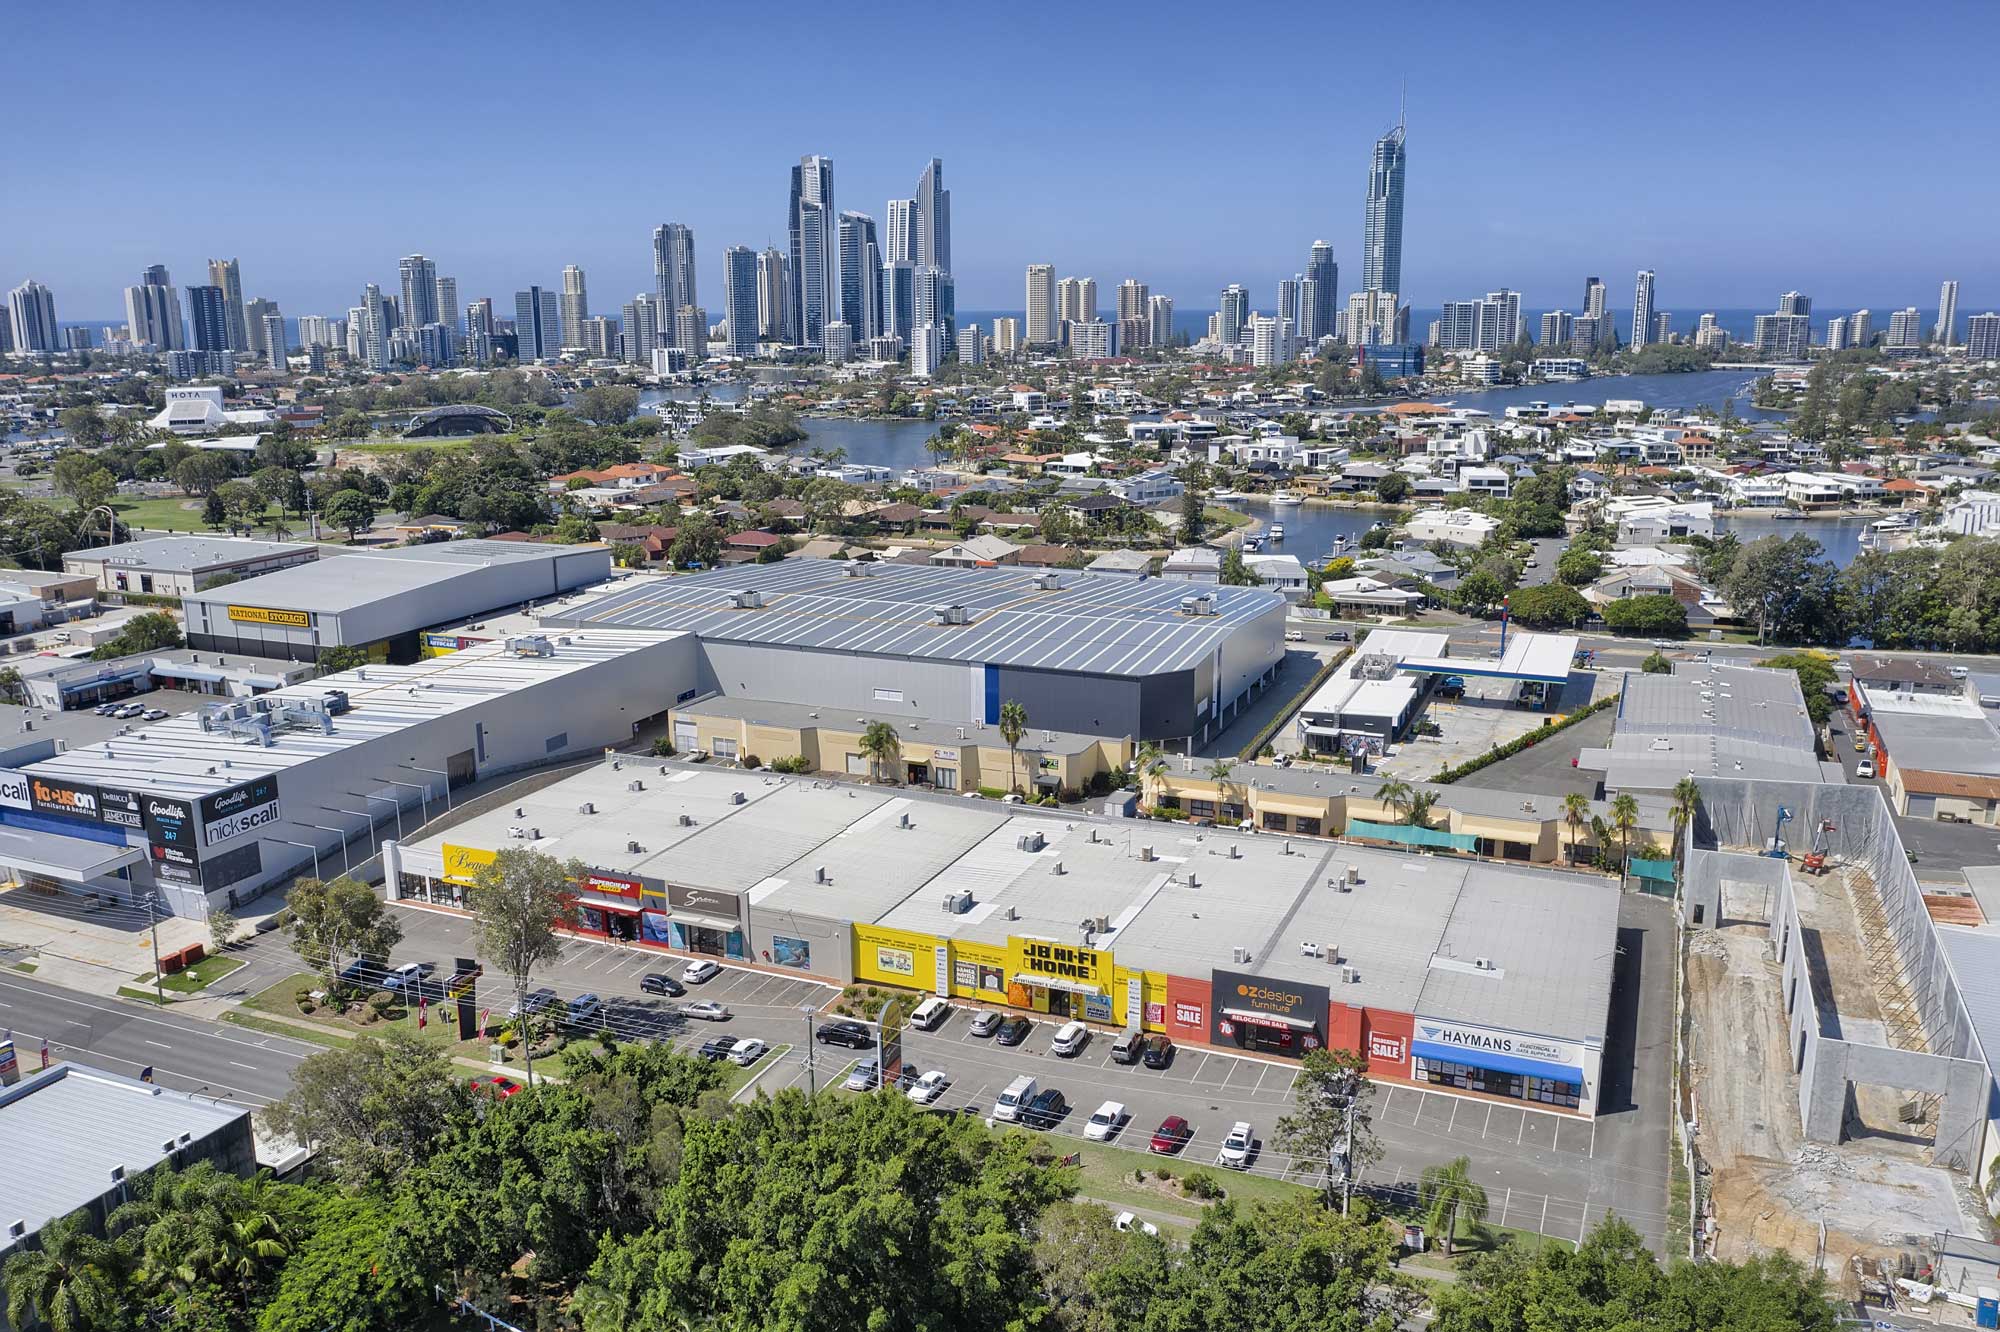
x,y
1835,1083
1834,1088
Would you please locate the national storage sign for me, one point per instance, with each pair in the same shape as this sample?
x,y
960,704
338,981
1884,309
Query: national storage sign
x,y
240,809
284,619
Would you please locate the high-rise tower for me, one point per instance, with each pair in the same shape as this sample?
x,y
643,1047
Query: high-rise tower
x,y
1382,231
815,250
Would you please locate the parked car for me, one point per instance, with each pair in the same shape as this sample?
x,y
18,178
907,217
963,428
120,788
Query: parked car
x,y
748,1052
1295,636
717,1048
1108,1119
1159,1052
851,1034
659,982
1126,1221
154,714
1339,636
699,970
582,1010
1865,768
534,1002
403,977
1046,1110
867,1075
1172,1135
1013,1098
492,1084
1070,1039
986,1023
1014,1030
930,1014
106,709
131,710
1125,1050
707,1010
928,1087
1238,1147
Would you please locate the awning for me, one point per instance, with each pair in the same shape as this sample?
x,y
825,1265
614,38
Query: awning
x,y
679,917
1257,1019
109,678
1057,983
71,859
600,904
1499,1063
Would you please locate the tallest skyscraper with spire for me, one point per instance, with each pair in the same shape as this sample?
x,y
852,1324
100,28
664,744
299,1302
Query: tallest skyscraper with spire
x,y
1382,231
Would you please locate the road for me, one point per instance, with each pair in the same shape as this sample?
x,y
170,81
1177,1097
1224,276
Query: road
x,y
125,1036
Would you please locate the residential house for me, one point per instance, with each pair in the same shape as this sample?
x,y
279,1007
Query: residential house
x,y
1458,527
1193,564
980,552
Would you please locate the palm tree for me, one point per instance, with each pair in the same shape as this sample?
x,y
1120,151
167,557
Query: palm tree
x,y
1625,817
1687,799
1421,804
74,1282
881,744
1445,1191
1013,725
1394,796
1149,762
1576,811
1218,772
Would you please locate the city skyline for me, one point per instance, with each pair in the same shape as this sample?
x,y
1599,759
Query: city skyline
x,y
1242,211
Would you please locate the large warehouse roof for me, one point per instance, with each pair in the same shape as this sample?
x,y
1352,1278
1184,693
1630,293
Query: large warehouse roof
x,y
67,1129
1708,720
188,553
364,578
1087,623
177,757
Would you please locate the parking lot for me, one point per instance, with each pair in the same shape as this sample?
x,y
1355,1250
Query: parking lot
x,y
1487,716
1551,1173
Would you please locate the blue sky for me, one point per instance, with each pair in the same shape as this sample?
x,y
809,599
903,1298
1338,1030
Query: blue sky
x,y
1848,151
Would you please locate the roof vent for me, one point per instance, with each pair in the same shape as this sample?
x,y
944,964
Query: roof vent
x,y
1146,853
635,785
737,797
1057,869
631,847
687,820
819,875
903,819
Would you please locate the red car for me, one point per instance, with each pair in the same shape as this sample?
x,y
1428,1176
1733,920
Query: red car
x,y
1171,1136
494,1085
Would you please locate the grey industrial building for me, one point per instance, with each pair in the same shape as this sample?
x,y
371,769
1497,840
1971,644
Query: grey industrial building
x,y
212,807
80,1138
1088,653
180,564
1709,719
382,601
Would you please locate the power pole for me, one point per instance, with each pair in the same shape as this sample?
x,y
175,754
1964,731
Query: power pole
x,y
153,933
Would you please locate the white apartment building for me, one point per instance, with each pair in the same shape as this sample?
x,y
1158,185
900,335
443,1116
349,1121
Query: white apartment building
x,y
1493,481
1457,527
1648,520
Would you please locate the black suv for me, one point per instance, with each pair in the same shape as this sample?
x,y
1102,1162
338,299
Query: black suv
x,y
658,982
1014,1030
1045,1111
851,1034
1159,1052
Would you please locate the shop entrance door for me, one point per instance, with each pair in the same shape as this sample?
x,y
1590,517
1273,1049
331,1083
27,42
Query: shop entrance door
x,y
702,939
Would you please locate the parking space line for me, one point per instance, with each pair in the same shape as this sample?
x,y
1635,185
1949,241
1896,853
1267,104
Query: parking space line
x,y
1522,1134
1453,1122
1592,1152
1489,1120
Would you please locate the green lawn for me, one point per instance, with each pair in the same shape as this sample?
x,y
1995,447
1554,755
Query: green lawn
x,y
735,1078
134,992
1107,1175
170,514
273,1027
197,977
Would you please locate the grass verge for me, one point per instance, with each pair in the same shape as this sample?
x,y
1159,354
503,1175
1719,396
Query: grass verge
x,y
143,996
735,1079
1108,1175
273,1027
200,976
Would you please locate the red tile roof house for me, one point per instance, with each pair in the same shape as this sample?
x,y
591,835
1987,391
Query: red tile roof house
x,y
753,541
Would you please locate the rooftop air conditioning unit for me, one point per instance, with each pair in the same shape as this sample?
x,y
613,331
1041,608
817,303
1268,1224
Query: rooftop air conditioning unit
x,y
534,834
1348,975
632,847
748,598
1012,914
1146,853
903,819
587,807
1483,963
1354,874
958,903
635,785
737,797
1030,842
1057,869
687,820
1193,880
1049,582
953,614
1309,949
1239,955
819,874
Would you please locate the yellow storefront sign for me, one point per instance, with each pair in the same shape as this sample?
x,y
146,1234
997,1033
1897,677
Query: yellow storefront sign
x,y
290,619
1072,964
461,863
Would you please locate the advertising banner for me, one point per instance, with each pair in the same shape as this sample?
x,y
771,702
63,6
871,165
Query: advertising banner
x,y
288,619
240,809
169,822
14,790
703,902
1265,1012
121,807
609,885
1073,964
461,863
895,961
69,798
789,952
233,866
1481,1040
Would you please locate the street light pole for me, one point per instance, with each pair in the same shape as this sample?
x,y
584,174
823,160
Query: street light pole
x,y
812,1074
153,933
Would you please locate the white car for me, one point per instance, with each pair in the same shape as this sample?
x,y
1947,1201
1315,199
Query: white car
x,y
701,969
867,1075
406,975
748,1052
1110,1117
1295,636
928,1087
705,1009
1236,1148
1865,768
1070,1039
1127,1221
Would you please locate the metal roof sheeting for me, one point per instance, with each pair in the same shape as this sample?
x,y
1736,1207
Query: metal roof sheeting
x,y
1090,624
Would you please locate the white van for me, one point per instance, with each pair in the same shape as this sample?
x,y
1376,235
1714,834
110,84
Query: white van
x,y
1019,1092
930,1014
